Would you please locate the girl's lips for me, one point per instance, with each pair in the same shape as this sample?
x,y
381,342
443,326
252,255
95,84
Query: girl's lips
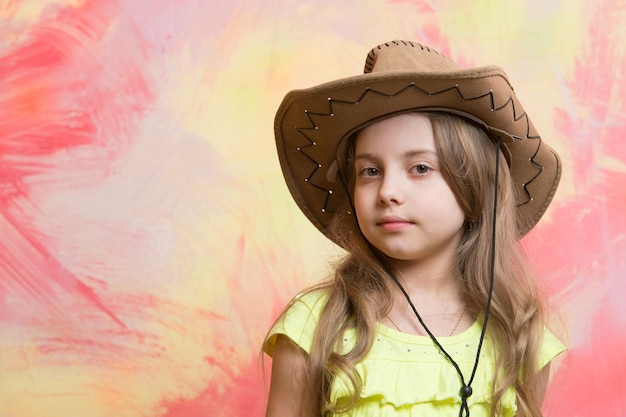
x,y
394,223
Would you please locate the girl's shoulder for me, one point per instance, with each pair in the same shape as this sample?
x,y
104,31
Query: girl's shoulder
x,y
299,320
308,303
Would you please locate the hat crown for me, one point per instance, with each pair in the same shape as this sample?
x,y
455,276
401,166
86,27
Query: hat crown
x,y
405,56
400,77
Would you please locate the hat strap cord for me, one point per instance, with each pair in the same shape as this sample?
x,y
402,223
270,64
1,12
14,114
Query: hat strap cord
x,y
466,389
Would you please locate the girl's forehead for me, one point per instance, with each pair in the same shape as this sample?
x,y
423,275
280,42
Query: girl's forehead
x,y
402,134
407,121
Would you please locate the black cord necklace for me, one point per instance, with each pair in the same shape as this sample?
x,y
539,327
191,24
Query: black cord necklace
x,y
466,388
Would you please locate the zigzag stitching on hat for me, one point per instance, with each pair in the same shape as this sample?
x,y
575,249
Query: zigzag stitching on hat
x,y
317,164
515,118
456,87
369,90
539,167
534,163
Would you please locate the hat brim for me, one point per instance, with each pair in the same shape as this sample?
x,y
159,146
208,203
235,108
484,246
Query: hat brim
x,y
311,123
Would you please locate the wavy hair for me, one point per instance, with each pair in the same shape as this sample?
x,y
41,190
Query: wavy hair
x,y
360,292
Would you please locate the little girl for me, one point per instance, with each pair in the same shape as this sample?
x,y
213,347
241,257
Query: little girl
x,y
427,175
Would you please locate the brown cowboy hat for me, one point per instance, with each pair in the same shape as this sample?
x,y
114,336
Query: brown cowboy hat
x,y
400,77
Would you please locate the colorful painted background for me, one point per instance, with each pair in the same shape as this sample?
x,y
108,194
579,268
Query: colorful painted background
x,y
147,239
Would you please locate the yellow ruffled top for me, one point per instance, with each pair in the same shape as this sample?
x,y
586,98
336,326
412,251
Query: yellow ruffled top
x,y
405,374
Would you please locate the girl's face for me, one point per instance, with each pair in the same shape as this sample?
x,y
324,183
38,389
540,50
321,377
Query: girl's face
x,y
404,206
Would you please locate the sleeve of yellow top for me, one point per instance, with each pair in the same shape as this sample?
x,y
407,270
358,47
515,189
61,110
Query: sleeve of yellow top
x,y
551,348
298,322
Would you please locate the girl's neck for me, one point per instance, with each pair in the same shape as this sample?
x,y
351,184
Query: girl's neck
x,y
434,279
433,289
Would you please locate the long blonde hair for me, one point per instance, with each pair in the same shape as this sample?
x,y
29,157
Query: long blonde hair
x,y
360,292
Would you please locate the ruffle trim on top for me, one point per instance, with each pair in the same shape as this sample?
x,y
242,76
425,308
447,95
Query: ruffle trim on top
x,y
418,384
407,372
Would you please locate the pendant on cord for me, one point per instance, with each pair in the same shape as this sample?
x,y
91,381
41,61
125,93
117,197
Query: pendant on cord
x,y
465,392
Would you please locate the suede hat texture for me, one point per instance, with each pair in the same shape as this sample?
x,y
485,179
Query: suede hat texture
x,y
400,77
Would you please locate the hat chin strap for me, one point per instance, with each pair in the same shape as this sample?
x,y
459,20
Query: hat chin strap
x,y
466,388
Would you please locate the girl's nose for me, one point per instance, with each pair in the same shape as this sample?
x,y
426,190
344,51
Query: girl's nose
x,y
390,191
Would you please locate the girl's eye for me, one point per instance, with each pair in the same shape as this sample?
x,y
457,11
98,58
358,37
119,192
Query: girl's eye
x,y
369,172
421,169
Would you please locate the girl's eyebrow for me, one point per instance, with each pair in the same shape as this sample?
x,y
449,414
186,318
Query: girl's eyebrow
x,y
407,154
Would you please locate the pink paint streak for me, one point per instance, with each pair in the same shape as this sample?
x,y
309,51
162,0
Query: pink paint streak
x,y
587,235
57,98
227,395
237,386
